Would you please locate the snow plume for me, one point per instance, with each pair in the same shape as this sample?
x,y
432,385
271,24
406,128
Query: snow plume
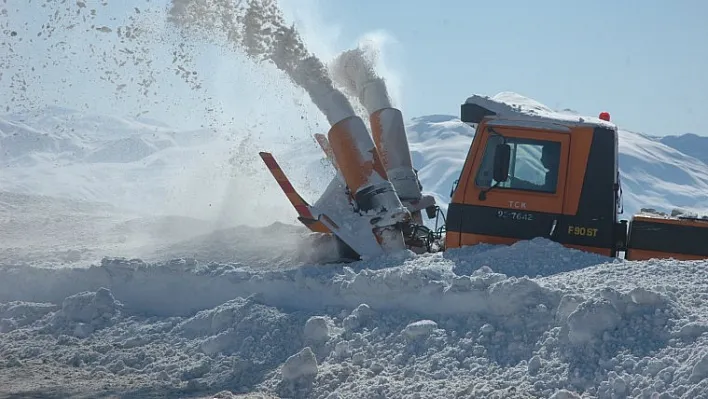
x,y
130,59
51,51
355,71
258,28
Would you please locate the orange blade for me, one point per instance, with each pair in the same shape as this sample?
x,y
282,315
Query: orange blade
x,y
301,206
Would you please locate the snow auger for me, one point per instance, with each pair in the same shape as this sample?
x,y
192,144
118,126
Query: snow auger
x,y
374,204
527,174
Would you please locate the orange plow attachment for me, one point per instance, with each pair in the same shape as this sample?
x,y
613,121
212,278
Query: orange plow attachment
x,y
373,205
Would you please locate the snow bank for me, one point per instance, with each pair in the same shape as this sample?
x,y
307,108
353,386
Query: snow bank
x,y
402,326
537,257
433,290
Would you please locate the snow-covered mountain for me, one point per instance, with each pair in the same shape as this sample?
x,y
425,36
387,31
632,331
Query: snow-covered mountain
x,y
690,144
137,166
150,167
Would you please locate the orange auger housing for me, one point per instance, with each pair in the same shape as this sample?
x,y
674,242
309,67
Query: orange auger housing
x,y
374,196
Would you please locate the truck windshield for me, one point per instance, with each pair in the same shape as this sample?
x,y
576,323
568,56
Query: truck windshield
x,y
534,165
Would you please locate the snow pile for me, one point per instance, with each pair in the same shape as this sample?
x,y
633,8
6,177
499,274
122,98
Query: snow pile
x,y
14,315
414,329
537,257
86,312
260,336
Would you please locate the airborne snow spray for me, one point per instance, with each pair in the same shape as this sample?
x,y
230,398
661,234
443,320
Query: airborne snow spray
x,y
130,58
355,71
258,28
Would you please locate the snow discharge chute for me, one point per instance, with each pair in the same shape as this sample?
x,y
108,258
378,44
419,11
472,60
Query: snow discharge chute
x,y
374,203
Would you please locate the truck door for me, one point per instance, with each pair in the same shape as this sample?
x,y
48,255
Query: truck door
x,y
528,204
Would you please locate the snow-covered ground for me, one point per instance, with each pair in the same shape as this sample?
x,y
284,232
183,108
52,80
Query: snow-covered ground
x,y
139,260
466,323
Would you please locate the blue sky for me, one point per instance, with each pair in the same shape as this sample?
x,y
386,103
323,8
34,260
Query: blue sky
x,y
643,61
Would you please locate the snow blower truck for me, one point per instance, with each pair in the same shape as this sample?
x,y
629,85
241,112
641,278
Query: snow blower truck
x,y
527,174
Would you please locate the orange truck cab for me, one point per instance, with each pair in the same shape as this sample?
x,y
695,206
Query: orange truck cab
x,y
532,175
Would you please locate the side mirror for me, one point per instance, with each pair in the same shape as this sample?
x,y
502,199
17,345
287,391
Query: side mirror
x,y
502,159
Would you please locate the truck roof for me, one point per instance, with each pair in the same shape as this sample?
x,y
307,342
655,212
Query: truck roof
x,y
515,109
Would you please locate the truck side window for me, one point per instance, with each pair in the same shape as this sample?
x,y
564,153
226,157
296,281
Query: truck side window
x,y
534,165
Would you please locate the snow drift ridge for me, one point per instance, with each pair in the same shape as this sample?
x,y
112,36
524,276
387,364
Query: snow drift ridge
x,y
422,326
